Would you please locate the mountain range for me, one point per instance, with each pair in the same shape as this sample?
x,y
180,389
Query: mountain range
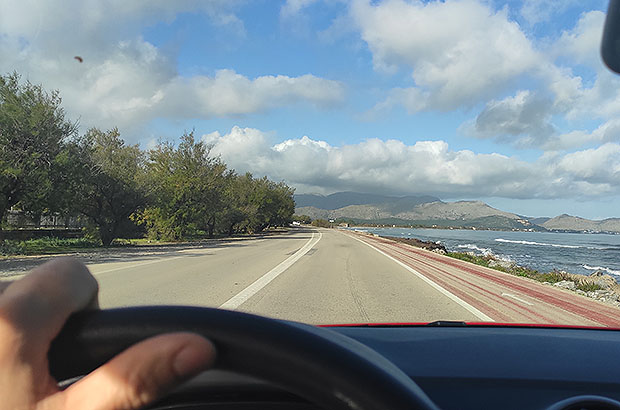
x,y
430,211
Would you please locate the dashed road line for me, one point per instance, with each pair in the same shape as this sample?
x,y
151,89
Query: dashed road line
x,y
241,297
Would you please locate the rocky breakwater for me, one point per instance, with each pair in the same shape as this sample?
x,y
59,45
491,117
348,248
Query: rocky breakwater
x,y
598,285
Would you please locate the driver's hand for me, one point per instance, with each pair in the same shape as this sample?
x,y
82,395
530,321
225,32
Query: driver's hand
x,y
32,312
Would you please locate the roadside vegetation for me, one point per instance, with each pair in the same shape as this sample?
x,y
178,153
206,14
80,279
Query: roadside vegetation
x,y
42,246
171,192
321,223
581,283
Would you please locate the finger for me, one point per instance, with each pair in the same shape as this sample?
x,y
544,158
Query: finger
x,y
141,373
38,305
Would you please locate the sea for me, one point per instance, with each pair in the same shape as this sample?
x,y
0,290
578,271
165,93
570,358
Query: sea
x,y
545,251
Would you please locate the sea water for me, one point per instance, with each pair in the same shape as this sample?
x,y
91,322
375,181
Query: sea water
x,y
544,251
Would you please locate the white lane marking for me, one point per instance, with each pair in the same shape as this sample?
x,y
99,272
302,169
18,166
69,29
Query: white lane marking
x,y
241,297
517,298
447,293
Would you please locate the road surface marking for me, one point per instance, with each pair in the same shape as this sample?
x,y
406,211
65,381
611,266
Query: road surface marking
x,y
517,298
241,297
447,293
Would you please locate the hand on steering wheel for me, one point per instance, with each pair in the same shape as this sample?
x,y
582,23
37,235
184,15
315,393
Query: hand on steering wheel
x,y
34,309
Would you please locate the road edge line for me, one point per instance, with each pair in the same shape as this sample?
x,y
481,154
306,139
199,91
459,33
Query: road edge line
x,y
437,287
242,297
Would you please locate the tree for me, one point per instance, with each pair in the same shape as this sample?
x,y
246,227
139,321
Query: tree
x,y
188,187
272,204
33,132
109,182
321,223
233,216
304,219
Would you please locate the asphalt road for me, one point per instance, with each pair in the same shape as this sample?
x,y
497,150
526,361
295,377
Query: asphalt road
x,y
324,276
314,276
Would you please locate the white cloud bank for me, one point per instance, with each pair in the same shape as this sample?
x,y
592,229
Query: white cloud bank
x,y
463,53
126,81
459,52
425,167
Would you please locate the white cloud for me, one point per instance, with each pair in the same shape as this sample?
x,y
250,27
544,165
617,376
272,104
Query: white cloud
x,y
126,81
582,42
80,25
526,119
522,120
460,52
596,170
537,11
424,167
293,7
229,93
609,131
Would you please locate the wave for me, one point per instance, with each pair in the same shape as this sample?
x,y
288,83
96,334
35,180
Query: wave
x,y
484,251
555,245
613,272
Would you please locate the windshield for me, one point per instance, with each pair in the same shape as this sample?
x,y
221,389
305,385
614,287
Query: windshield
x,y
328,162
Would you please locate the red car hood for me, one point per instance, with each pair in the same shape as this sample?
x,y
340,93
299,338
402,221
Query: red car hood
x,y
463,324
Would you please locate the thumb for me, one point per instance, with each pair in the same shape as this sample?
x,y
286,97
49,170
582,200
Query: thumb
x,y
141,373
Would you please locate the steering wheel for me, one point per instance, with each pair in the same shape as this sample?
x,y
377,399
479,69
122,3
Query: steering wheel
x,y
322,366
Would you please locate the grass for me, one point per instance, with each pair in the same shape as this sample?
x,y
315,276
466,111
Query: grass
x,y
43,246
51,246
588,286
555,276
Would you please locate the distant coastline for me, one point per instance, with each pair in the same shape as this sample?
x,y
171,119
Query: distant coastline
x,y
543,251
452,228
597,284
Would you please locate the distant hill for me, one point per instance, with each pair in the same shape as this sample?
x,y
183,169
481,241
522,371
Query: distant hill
x,y
431,211
343,199
539,220
575,223
418,210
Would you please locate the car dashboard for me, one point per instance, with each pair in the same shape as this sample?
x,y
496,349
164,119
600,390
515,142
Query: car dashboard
x,y
458,366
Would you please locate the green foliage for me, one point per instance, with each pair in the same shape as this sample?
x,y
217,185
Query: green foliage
x,y
584,284
588,286
304,219
33,133
321,223
174,191
107,181
272,204
478,260
193,192
186,189
45,246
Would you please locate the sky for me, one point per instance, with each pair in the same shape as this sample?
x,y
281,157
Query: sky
x,y
504,102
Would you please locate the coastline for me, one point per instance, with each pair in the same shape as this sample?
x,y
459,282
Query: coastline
x,y
598,285
471,228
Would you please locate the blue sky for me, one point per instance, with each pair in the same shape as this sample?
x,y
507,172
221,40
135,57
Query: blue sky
x,y
506,102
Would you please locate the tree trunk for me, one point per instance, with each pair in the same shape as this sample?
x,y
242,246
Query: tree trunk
x,y
107,236
3,212
211,226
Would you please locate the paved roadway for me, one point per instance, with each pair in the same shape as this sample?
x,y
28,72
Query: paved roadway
x,y
329,276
